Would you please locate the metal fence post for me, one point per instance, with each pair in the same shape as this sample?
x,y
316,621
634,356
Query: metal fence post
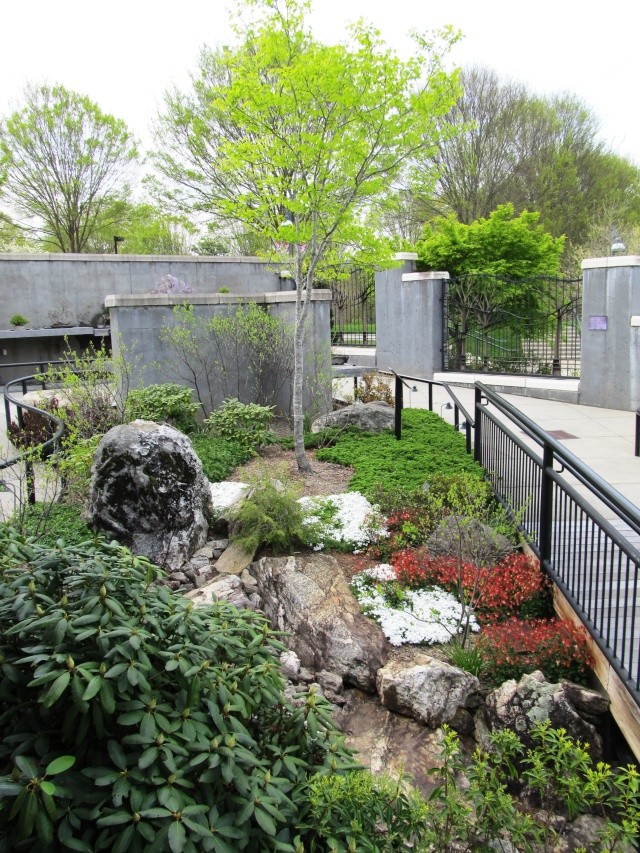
x,y
477,421
398,408
546,504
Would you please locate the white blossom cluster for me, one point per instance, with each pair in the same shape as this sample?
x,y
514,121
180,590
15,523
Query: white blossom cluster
x,y
352,518
423,616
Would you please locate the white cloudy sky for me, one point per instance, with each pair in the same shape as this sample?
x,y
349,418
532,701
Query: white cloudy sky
x,y
124,55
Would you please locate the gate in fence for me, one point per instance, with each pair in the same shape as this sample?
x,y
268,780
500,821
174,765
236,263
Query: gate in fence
x,y
502,325
353,310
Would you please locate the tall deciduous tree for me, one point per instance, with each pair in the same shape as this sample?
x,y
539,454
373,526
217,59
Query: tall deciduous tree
x,y
64,162
299,140
538,153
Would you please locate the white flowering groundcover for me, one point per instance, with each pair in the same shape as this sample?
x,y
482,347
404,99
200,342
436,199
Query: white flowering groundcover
x,y
347,519
424,616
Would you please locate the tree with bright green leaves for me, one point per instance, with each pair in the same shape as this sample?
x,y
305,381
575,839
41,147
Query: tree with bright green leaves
x,y
502,244
299,140
497,266
64,162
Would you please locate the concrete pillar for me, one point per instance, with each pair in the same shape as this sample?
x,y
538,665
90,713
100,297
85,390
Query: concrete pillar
x,y
409,322
610,340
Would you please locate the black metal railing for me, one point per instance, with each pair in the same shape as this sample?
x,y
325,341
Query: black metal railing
x,y
585,533
402,382
30,456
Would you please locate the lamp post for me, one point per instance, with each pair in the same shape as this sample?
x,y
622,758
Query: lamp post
x,y
617,246
117,240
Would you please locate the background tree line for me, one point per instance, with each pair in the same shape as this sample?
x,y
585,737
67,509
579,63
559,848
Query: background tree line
x,y
70,175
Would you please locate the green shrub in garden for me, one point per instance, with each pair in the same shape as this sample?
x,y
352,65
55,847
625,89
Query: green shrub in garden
x,y
428,447
246,424
271,517
132,721
167,403
219,456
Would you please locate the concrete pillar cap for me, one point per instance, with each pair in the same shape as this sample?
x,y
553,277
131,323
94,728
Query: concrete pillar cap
x,y
425,276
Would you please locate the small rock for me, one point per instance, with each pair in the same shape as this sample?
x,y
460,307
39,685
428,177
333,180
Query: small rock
x,y
306,675
248,581
330,681
430,690
290,665
178,576
234,560
206,552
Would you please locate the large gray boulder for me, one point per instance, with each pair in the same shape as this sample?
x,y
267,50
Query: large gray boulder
x,y
427,689
149,492
308,596
521,705
371,417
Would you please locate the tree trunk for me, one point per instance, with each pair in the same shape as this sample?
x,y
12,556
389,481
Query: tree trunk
x,y
302,302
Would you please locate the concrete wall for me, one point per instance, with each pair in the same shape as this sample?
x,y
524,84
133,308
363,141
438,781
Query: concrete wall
x,y
137,323
409,319
610,358
70,290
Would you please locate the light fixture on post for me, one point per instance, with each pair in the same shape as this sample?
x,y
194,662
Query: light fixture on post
x,y
617,246
117,240
445,407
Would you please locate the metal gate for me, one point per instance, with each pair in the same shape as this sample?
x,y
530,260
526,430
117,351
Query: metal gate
x,y
502,325
353,310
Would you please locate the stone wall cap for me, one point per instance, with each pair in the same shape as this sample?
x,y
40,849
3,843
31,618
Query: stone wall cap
x,y
425,276
611,261
158,300
122,259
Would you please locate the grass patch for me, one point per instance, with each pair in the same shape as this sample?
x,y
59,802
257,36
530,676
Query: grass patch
x,y
428,447
219,456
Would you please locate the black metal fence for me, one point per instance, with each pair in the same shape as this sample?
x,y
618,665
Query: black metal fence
x,y
585,533
502,325
353,309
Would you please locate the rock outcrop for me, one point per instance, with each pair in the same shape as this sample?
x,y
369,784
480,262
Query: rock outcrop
x,y
427,689
521,705
149,492
308,596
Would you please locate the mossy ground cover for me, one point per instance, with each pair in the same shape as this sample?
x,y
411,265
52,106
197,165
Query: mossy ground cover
x,y
428,447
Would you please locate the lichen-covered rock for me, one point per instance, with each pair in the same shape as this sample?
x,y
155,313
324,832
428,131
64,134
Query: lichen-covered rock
x,y
371,417
308,596
469,538
149,492
429,690
521,705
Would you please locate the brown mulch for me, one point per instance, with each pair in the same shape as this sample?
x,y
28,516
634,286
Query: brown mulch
x,y
326,478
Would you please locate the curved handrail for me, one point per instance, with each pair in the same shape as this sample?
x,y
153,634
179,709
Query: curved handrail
x,y
48,447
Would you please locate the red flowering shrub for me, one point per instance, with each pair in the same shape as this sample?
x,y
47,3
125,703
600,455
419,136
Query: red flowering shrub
x,y
516,646
513,587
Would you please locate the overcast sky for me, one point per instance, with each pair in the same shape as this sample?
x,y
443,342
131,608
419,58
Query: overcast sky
x,y
124,55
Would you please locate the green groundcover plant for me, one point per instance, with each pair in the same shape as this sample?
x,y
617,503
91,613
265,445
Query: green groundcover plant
x,y
428,447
